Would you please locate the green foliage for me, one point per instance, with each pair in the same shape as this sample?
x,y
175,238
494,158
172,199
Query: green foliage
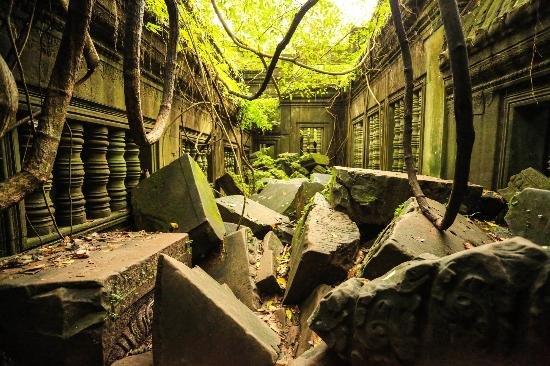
x,y
261,114
325,39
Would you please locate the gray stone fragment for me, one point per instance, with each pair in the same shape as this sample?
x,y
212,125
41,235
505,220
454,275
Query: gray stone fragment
x,y
279,196
197,322
483,306
91,312
527,178
306,193
307,336
372,196
266,279
179,193
231,227
228,185
323,250
257,217
411,234
235,266
529,215
324,179
271,241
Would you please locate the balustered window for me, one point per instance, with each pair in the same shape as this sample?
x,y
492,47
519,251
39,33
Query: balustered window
x,y
229,161
373,121
396,118
358,144
95,170
311,139
198,151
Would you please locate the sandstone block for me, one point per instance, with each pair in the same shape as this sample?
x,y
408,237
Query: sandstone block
x,y
528,178
324,179
257,217
411,235
307,336
372,196
197,322
474,307
529,215
179,194
279,196
305,193
323,250
228,185
91,312
235,266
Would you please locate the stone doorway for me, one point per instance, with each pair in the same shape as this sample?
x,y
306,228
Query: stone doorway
x,y
529,139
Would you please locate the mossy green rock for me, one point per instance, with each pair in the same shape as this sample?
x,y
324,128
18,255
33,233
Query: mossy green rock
x,y
179,194
529,215
372,196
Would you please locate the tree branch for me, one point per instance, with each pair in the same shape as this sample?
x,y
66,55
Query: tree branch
x,y
278,50
38,166
241,44
132,74
462,87
407,117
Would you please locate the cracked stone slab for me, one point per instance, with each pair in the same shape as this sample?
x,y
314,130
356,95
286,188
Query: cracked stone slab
x,y
323,250
257,217
279,196
91,312
198,322
371,196
411,235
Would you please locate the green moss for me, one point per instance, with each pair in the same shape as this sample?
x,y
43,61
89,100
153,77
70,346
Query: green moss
x,y
399,210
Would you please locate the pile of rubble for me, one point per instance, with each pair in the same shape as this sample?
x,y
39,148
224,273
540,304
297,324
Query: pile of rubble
x,y
341,269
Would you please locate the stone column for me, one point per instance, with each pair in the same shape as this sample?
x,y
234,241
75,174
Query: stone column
x,y
133,166
117,167
97,172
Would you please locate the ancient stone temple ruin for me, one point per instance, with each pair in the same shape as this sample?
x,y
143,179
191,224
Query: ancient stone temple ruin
x,y
243,182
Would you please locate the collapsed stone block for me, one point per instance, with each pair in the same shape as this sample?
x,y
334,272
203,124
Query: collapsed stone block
x,y
198,322
235,266
483,306
227,184
492,206
257,217
372,196
179,194
309,161
324,179
307,336
411,235
272,242
266,279
305,193
527,178
323,250
529,215
279,196
92,312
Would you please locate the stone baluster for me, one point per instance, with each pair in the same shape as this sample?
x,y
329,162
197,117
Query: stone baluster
x,y
117,167
133,166
69,176
36,207
97,172
416,125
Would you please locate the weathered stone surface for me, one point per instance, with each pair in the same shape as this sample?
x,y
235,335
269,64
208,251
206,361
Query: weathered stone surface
x,y
198,322
484,306
323,250
411,234
143,359
179,193
279,196
529,215
305,193
231,227
257,217
371,196
528,178
235,266
271,241
266,279
91,312
285,232
324,179
228,185
307,336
